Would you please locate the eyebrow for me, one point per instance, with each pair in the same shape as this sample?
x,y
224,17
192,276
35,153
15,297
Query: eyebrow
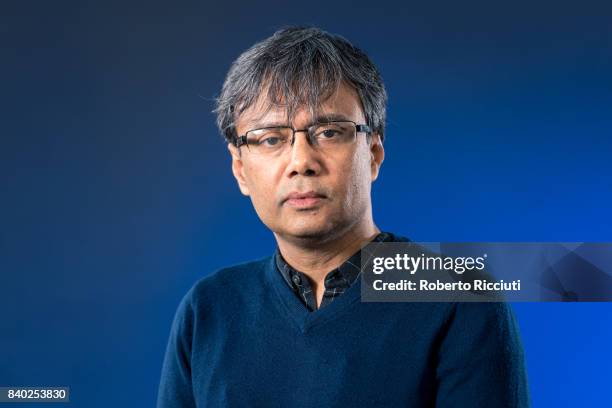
x,y
330,117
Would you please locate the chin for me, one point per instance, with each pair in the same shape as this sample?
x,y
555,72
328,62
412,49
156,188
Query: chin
x,y
313,232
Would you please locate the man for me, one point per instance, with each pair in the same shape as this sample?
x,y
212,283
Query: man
x,y
303,114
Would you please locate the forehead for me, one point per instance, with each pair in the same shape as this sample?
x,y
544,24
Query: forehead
x,y
344,103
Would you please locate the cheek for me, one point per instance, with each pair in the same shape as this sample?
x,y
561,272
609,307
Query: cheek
x,y
357,179
260,181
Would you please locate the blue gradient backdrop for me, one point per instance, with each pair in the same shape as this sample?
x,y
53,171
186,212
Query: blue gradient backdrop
x,y
116,193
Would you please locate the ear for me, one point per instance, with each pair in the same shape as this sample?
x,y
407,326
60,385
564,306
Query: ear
x,y
238,168
377,155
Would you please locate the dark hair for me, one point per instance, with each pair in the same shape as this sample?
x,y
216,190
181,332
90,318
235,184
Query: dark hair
x,y
296,67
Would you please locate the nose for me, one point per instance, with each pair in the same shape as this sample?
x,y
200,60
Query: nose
x,y
305,159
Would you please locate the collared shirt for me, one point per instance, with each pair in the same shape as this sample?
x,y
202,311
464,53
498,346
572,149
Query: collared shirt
x,y
336,281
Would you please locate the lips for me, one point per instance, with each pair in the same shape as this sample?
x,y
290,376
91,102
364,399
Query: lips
x,y
304,200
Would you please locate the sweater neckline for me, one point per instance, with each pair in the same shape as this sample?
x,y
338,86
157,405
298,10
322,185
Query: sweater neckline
x,y
297,312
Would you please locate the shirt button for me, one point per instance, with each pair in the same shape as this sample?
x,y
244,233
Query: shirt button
x,y
296,279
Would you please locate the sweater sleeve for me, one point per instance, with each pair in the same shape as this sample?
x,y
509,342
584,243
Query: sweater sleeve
x,y
175,389
481,361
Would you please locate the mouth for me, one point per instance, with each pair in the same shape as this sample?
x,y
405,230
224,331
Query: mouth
x,y
303,201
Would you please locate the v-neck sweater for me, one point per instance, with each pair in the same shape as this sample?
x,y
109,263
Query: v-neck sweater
x,y
261,347
336,281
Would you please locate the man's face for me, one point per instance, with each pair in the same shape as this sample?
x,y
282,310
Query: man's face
x,y
340,180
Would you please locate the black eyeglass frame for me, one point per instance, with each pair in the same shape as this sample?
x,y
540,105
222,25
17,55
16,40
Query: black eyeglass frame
x,y
359,128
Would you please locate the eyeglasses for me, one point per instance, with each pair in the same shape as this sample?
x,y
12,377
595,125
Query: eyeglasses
x,y
275,140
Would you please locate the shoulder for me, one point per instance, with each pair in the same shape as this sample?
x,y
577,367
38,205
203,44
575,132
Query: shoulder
x,y
484,322
490,312
231,282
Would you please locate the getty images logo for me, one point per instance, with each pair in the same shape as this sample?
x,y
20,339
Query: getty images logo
x,y
411,264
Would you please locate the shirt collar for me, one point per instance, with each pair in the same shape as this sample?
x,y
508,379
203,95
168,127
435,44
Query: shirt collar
x,y
341,277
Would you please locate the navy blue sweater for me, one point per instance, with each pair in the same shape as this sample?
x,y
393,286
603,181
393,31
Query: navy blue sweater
x,y
260,347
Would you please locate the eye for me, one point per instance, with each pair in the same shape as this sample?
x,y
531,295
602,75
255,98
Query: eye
x,y
270,141
329,133
266,138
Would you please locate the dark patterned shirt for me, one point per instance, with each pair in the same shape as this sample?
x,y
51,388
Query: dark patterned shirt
x,y
336,281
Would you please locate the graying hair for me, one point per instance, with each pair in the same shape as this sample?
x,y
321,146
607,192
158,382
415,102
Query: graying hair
x,y
300,67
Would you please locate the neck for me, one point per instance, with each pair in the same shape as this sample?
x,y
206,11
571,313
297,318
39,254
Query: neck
x,y
316,260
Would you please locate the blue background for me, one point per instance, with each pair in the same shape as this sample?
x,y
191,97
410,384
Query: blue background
x,y
116,193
